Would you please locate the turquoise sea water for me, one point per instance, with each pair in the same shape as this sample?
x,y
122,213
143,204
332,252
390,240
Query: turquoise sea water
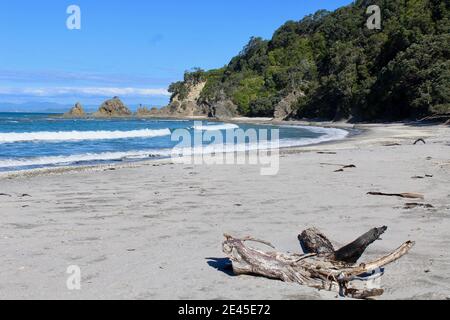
x,y
30,140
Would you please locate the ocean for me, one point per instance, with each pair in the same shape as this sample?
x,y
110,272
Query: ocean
x,y
32,140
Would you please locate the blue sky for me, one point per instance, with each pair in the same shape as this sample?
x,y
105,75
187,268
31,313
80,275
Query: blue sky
x,y
133,49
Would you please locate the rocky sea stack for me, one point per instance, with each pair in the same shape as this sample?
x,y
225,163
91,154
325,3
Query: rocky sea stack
x,y
113,108
76,112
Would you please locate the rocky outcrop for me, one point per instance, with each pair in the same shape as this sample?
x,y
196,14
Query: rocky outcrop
x,y
189,105
113,108
146,112
193,106
76,112
222,108
285,107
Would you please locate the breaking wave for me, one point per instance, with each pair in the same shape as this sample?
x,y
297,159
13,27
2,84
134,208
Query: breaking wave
x,y
12,137
329,134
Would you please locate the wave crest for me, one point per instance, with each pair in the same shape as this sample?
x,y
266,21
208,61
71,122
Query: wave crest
x,y
12,137
216,127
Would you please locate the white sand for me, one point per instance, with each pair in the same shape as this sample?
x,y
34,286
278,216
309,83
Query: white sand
x,y
145,231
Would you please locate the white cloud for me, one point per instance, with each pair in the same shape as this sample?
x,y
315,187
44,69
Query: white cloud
x,y
84,79
85,91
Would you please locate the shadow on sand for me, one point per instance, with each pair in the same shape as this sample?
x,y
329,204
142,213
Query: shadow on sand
x,y
221,264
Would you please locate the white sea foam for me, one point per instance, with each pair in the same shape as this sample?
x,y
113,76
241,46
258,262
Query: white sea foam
x,y
329,134
12,137
62,160
216,127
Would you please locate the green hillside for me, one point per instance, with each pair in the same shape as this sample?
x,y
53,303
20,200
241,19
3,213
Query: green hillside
x,y
345,70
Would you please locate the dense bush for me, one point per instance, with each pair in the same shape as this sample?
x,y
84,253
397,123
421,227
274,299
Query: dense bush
x,y
345,70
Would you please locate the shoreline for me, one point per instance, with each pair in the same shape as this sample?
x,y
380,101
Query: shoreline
x,y
76,168
360,134
112,166
362,131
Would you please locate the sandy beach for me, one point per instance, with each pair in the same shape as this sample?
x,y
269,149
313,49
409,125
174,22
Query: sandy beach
x,y
153,230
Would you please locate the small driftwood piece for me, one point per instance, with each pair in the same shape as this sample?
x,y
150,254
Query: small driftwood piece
x,y
338,165
327,152
344,166
413,205
321,267
419,140
423,177
407,195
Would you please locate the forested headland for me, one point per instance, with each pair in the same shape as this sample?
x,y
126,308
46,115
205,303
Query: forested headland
x,y
331,66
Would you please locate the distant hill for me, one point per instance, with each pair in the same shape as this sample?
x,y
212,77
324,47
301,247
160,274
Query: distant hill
x,y
330,65
44,107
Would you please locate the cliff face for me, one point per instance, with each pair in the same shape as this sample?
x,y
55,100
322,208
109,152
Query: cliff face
x,y
113,108
222,109
76,112
192,104
286,107
188,106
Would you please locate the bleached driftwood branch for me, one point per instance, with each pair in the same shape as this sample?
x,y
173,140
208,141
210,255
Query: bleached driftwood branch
x,y
321,267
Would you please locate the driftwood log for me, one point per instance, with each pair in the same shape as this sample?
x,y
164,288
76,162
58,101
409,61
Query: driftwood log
x,y
320,267
407,195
